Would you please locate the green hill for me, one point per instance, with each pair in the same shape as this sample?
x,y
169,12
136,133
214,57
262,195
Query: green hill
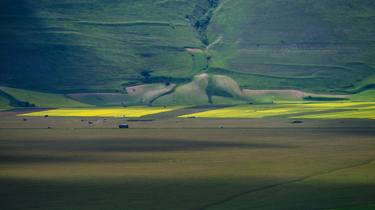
x,y
135,95
314,45
91,46
4,103
12,97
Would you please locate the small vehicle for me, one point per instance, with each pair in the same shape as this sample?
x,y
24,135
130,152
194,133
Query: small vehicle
x,y
123,126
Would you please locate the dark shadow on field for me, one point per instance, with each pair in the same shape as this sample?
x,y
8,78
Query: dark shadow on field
x,y
136,145
47,150
177,193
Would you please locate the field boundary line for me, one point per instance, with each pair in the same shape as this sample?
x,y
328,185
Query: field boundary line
x,y
301,179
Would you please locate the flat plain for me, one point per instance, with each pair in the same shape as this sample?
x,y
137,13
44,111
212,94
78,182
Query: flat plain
x,y
165,162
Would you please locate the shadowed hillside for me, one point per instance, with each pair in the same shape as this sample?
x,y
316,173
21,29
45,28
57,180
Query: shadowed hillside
x,y
93,45
106,46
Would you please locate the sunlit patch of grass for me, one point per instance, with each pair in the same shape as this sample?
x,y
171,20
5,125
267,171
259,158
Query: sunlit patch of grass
x,y
338,104
362,113
102,112
353,110
248,111
41,99
349,110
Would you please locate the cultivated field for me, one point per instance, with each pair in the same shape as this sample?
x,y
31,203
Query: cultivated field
x,y
101,112
319,110
174,163
222,105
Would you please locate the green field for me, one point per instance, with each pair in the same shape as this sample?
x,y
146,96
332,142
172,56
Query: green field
x,y
40,99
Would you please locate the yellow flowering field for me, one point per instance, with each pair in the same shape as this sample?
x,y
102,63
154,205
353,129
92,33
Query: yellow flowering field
x,y
358,113
102,112
363,110
244,111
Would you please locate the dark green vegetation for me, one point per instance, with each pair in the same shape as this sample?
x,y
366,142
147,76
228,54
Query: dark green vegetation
x,y
12,97
93,45
103,46
188,164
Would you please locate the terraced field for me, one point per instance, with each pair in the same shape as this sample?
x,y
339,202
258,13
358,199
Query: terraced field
x,y
298,45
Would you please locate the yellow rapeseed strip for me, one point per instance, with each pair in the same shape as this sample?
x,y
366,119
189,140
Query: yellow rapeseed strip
x,y
353,110
101,112
353,114
242,112
336,104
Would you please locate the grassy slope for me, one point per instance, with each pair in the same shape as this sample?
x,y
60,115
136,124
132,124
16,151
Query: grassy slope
x,y
364,91
310,45
40,99
4,103
226,86
193,93
367,95
93,45
318,46
206,89
135,95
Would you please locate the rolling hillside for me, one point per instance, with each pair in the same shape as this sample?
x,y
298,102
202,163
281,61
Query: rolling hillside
x,y
12,97
315,45
92,46
204,89
4,103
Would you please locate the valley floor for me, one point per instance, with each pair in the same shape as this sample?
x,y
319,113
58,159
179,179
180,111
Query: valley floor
x,y
185,163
